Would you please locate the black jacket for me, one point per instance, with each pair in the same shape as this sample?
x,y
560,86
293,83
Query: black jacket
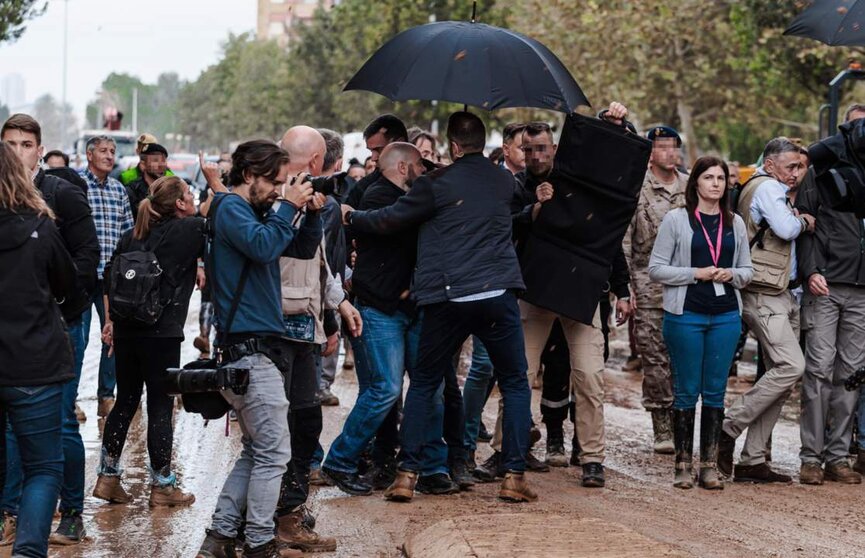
x,y
177,243
136,190
836,248
464,241
34,347
75,223
385,263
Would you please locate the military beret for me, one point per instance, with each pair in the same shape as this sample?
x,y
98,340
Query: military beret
x,y
153,149
659,132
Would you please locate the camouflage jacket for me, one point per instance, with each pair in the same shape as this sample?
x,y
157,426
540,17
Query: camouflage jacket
x,y
656,199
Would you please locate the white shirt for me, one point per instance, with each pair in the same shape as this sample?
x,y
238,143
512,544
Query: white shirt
x,y
770,202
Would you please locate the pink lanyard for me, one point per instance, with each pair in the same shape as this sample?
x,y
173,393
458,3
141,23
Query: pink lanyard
x,y
714,251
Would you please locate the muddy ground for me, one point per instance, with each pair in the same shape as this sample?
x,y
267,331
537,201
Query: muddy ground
x,y
742,520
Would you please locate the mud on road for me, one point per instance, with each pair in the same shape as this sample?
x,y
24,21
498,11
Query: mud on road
x,y
742,520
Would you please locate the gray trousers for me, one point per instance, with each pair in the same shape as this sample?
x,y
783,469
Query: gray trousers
x,y
834,349
774,321
254,482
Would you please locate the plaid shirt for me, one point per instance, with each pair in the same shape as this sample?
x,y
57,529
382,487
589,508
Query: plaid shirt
x,y
112,214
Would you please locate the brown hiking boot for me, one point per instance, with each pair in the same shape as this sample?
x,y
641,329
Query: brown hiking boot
x,y
840,471
105,406
169,496
8,530
516,489
293,533
109,489
402,488
811,473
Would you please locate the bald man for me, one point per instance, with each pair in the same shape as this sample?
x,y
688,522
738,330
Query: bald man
x,y
388,345
309,291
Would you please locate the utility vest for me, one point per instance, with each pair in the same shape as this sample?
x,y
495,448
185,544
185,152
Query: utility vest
x,y
771,256
303,287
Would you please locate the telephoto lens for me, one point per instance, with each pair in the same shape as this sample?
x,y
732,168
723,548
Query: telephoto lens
x,y
180,381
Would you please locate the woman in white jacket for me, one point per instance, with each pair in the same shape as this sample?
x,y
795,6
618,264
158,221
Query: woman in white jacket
x,y
702,258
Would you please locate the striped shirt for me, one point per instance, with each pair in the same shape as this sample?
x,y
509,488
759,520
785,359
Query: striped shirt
x,y
112,214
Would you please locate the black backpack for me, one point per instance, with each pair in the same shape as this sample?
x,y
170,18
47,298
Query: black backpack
x,y
135,296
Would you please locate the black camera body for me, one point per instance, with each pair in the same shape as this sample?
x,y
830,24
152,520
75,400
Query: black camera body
x,y
181,381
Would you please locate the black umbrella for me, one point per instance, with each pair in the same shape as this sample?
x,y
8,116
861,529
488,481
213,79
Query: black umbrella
x,y
469,63
834,22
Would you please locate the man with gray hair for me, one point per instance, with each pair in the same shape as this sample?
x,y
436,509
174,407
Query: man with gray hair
x,y
112,216
770,309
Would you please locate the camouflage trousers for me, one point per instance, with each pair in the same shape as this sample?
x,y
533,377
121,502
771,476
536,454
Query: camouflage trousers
x,y
657,378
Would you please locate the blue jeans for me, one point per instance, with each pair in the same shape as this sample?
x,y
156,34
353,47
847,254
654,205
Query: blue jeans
x,y
72,489
107,375
35,415
861,411
496,321
475,392
701,348
387,348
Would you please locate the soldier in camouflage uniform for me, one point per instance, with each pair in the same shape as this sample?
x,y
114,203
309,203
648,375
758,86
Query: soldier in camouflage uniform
x,y
663,190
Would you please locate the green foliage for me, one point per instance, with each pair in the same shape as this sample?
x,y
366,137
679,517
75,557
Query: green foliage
x,y
157,102
13,15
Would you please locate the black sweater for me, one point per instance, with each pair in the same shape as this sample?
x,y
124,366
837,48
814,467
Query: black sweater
x,y
178,254
384,262
34,347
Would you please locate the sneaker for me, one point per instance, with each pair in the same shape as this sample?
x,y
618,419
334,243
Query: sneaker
x,y
216,545
535,465
70,530
350,483
8,524
402,488
328,399
80,416
840,471
437,484
489,469
760,473
811,473
169,496
293,533
111,490
105,406
633,364
593,475
515,489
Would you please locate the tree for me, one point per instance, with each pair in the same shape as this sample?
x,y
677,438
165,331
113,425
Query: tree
x,y
157,103
48,112
13,14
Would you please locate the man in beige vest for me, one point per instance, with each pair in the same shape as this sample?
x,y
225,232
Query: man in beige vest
x,y
308,289
663,190
769,308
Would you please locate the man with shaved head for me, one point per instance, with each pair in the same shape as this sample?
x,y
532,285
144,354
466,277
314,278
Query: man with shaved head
x,y
309,290
388,345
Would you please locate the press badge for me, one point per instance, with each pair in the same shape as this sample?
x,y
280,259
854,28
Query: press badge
x,y
719,288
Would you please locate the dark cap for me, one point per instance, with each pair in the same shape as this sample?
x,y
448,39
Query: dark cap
x,y
153,149
660,132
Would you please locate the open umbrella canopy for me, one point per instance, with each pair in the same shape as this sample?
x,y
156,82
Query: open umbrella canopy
x,y
834,22
469,63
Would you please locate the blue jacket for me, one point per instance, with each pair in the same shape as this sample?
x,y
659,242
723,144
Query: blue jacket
x,y
239,234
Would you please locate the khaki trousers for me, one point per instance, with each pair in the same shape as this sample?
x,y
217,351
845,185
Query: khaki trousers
x,y
586,345
774,321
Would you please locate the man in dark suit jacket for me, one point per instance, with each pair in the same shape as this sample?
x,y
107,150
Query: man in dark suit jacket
x,y
464,282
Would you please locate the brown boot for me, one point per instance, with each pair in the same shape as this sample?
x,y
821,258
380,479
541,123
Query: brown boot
x,y
109,489
859,466
516,489
169,496
402,488
811,473
105,406
9,528
840,471
293,533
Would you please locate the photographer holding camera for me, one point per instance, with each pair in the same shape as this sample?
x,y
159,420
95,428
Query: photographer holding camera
x,y
251,229
145,348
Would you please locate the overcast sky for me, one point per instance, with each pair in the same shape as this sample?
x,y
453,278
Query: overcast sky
x,y
139,37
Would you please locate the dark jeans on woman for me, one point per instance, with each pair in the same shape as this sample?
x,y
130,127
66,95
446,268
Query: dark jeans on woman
x,y
35,413
142,361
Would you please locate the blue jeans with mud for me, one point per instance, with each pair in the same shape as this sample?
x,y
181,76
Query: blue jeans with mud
x,y
384,352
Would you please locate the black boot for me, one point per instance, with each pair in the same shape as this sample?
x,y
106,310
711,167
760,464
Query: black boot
x,y
683,437
710,433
